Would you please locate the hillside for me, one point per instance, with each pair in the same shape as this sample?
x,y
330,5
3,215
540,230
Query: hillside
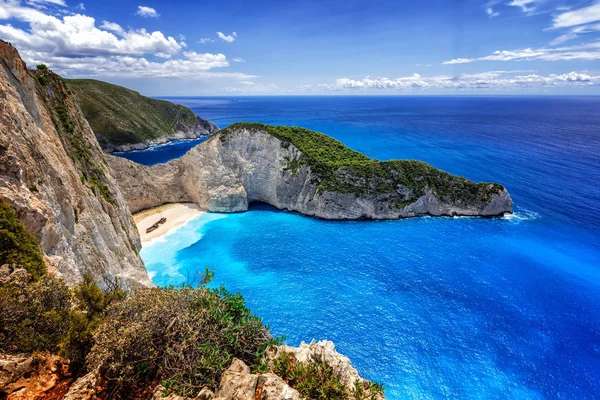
x,y
124,120
300,170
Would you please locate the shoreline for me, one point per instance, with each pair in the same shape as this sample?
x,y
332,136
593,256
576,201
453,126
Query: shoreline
x,y
151,145
176,214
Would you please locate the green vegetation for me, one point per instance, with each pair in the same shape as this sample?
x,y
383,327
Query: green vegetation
x,y
119,116
340,169
17,245
183,337
315,380
34,317
71,132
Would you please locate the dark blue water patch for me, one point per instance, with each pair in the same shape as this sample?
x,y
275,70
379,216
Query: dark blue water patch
x,y
432,307
162,153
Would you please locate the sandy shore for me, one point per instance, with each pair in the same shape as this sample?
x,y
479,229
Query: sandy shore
x,y
176,215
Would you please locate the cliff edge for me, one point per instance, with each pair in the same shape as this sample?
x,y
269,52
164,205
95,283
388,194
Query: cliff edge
x,y
305,171
53,173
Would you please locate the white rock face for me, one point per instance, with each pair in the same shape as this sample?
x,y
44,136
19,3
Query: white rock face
x,y
254,166
78,230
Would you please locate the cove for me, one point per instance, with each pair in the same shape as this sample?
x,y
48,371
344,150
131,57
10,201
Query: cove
x,y
431,307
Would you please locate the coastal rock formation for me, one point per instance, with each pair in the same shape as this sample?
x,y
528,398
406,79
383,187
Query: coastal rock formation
x,y
239,383
53,173
300,170
124,120
324,352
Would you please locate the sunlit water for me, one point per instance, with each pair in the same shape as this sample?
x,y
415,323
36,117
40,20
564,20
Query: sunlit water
x,y
432,307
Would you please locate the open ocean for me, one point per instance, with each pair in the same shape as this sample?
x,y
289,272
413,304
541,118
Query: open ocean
x,y
432,307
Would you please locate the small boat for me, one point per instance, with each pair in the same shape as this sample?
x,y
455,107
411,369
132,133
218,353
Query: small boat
x,y
162,220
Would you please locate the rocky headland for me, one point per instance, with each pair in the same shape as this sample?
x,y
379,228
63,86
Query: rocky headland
x,y
124,120
305,171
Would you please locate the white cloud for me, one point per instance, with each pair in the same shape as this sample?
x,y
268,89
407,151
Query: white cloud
x,y
587,52
147,12
238,60
113,27
575,33
205,40
227,38
80,6
191,66
77,35
43,3
491,13
525,5
485,80
251,87
74,46
578,17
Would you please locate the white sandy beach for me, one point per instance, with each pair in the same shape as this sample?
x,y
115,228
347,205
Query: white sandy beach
x,y
176,215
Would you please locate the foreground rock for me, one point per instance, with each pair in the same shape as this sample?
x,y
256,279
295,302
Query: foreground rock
x,y
304,171
239,383
25,377
53,173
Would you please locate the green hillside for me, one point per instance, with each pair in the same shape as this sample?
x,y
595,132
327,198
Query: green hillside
x,y
120,116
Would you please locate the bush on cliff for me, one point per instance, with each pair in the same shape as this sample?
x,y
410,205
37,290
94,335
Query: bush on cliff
x,y
316,380
183,338
17,245
45,315
34,317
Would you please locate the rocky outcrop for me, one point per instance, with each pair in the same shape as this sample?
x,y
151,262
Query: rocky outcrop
x,y
29,377
248,163
53,173
324,352
239,383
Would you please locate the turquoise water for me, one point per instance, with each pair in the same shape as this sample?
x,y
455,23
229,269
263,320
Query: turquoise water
x,y
431,307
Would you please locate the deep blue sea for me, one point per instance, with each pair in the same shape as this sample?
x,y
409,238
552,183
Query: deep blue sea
x,y
432,307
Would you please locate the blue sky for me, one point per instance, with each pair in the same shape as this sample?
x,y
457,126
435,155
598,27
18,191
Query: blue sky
x,y
315,47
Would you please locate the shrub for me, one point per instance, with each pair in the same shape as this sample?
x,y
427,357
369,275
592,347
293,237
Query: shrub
x,y
42,67
315,380
90,305
183,337
34,317
17,245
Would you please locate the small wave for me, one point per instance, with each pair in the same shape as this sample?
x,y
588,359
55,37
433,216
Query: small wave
x,y
522,215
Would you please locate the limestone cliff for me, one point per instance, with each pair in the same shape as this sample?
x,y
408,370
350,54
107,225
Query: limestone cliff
x,y
124,120
308,172
53,173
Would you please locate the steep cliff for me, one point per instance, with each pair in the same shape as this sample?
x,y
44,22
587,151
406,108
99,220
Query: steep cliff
x,y
308,172
53,173
124,120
